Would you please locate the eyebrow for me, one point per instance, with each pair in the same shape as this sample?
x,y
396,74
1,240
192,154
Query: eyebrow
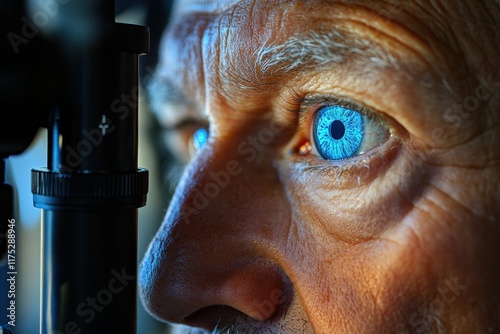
x,y
160,91
314,49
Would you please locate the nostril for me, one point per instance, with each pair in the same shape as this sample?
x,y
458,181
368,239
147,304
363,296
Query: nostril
x,y
250,314
215,317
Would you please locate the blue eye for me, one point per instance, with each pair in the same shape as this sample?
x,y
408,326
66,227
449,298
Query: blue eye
x,y
200,138
341,133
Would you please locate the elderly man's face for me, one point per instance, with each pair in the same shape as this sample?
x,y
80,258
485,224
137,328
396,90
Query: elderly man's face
x,y
350,180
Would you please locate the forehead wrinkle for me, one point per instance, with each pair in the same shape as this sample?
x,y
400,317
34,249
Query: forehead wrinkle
x,y
231,51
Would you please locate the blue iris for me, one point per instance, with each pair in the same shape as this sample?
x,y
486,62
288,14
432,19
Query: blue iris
x,y
338,132
200,138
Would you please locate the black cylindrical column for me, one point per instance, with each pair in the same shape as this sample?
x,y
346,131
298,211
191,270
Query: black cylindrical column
x,y
92,187
89,261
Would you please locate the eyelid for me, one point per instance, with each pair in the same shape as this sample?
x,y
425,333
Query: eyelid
x,y
309,105
306,108
186,123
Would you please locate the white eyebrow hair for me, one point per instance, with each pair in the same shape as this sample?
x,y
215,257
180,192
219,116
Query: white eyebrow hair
x,y
313,51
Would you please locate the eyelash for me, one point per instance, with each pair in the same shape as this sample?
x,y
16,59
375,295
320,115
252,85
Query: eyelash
x,y
302,105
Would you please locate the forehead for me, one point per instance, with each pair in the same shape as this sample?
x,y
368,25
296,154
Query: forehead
x,y
430,12
209,39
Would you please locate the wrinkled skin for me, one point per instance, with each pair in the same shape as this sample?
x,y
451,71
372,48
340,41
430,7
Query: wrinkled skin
x,y
402,239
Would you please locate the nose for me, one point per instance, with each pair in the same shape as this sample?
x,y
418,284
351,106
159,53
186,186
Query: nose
x,y
215,256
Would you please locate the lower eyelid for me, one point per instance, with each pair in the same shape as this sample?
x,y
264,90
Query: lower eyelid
x,y
355,172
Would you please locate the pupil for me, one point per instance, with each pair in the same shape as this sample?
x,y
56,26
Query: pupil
x,y
337,130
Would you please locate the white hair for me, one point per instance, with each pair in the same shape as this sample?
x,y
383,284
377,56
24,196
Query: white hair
x,y
314,51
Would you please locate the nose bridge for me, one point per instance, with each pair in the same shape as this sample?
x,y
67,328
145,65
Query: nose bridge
x,y
206,184
218,230
234,173
227,200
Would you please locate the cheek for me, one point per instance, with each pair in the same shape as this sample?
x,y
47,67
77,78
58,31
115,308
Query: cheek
x,y
386,282
362,288
362,254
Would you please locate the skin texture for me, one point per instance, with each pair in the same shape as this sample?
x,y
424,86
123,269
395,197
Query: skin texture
x,y
401,239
